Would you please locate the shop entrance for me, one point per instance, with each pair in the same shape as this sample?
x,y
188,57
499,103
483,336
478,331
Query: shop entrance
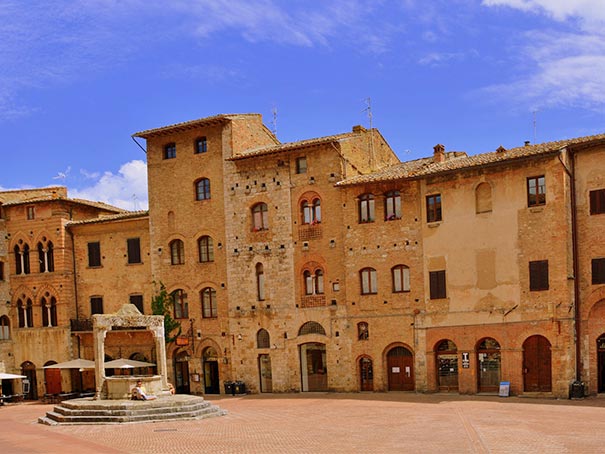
x,y
488,359
52,379
447,366
400,364
211,377
366,373
181,373
313,367
601,363
30,384
536,364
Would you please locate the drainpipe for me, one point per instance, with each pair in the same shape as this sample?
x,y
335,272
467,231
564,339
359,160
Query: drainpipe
x,y
577,389
75,283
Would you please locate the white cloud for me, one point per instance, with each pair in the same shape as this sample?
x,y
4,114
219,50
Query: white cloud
x,y
127,189
558,67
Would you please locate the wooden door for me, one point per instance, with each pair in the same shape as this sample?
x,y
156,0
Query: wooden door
x,y
264,370
366,372
52,378
536,364
488,360
181,375
601,363
400,364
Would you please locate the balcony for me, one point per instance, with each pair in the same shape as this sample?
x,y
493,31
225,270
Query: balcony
x,y
312,301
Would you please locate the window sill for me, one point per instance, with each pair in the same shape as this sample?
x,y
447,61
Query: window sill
x,y
134,264
433,224
536,209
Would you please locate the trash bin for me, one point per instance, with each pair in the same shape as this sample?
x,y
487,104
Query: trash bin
x,y
576,390
228,387
239,387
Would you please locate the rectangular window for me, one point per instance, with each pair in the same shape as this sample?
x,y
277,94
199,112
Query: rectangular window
x,y
598,271
137,300
437,284
31,212
134,250
433,208
301,164
96,305
1,271
94,254
170,151
201,145
536,191
597,201
538,275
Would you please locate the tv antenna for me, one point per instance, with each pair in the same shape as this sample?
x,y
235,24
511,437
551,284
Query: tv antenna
x,y
274,121
534,112
62,175
368,110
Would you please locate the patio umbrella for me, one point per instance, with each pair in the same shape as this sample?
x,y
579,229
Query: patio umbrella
x,y
123,363
78,363
5,376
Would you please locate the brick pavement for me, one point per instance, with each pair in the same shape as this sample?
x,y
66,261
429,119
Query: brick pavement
x,y
332,423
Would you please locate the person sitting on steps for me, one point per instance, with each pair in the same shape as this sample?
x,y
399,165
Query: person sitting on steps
x,y
140,393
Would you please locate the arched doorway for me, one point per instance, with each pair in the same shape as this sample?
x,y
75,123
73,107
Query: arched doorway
x,y
601,363
30,384
446,354
264,371
537,364
52,379
211,377
313,370
400,364
366,374
488,359
181,372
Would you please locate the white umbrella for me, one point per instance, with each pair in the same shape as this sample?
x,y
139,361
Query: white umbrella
x,y
123,363
78,363
5,376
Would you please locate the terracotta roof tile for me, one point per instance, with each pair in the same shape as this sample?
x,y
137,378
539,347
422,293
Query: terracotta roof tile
x,y
190,124
50,198
458,161
266,150
111,217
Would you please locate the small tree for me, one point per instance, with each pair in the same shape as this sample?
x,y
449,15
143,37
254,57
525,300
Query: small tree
x,y
162,304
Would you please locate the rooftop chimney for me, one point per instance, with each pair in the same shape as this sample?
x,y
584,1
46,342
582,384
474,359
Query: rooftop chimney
x,y
500,149
527,143
358,128
438,153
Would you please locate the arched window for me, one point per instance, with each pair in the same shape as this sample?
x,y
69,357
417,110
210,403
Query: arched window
x,y
260,217
369,284
262,339
18,260
311,211
46,256
179,300
311,328
392,206
363,331
202,189
206,249
4,328
483,198
26,269
26,313
177,252
260,282
366,208
314,281
209,309
401,278
48,305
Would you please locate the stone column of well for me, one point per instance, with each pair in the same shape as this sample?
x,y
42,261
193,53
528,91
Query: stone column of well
x,y
99,344
158,334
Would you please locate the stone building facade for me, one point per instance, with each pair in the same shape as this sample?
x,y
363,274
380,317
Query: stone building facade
x,y
329,265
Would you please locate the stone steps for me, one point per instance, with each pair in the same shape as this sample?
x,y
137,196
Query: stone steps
x,y
88,411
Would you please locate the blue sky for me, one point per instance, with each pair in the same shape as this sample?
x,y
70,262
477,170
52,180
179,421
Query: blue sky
x,y
78,77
